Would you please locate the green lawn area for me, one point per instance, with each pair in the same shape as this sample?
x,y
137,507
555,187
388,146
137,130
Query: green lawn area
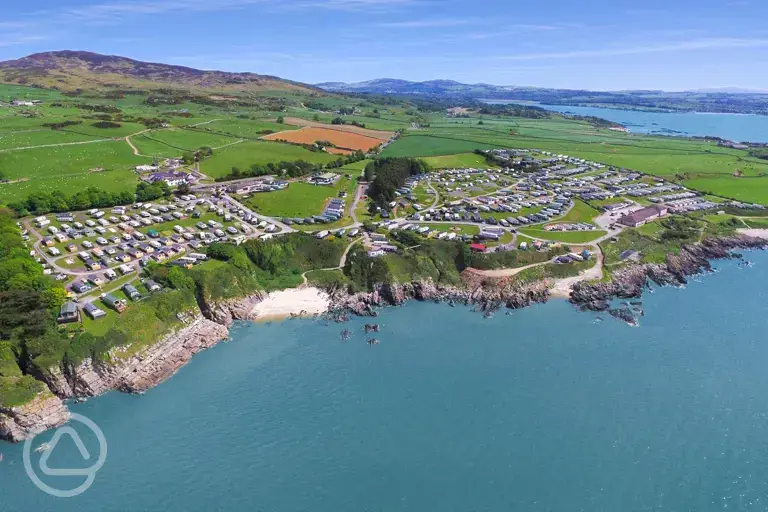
x,y
460,161
571,237
300,199
66,168
245,154
581,212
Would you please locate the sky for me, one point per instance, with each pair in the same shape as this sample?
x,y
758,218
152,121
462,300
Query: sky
x,y
585,44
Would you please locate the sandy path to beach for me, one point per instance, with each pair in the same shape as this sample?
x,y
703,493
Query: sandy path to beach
x,y
305,301
562,287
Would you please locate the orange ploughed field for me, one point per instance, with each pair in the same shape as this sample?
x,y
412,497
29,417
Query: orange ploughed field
x,y
376,134
343,140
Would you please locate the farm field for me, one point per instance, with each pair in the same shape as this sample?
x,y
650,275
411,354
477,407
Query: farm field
x,y
67,168
340,139
245,154
173,142
749,189
427,145
462,160
39,137
245,128
367,132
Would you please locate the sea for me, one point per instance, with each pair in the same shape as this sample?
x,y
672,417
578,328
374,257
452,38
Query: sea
x,y
736,127
541,409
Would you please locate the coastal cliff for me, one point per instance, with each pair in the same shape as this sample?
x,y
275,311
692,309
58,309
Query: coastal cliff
x,y
630,282
137,372
41,413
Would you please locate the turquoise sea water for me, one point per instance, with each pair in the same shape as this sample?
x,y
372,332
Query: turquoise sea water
x,y
545,409
737,127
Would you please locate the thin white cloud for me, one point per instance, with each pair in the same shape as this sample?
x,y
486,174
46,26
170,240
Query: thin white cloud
x,y
679,46
427,23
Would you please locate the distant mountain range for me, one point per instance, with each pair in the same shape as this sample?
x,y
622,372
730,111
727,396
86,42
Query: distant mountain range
x,y
71,70
729,99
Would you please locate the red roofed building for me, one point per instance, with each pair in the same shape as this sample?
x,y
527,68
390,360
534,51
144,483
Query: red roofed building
x,y
477,247
640,217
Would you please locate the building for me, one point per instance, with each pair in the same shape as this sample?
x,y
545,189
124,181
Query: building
x,y
92,311
131,292
477,247
151,285
80,287
326,178
644,215
68,313
113,302
172,178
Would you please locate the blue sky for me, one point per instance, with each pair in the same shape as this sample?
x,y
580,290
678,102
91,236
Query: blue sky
x,y
593,44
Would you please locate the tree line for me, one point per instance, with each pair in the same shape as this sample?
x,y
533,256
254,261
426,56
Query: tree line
x,y
41,202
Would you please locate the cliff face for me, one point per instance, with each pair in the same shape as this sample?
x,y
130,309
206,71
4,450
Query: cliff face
x,y
631,281
141,371
44,412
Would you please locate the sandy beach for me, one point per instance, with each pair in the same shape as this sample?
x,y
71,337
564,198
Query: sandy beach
x,y
295,301
757,233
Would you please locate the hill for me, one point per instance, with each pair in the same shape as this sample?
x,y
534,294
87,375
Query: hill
x,y
727,100
73,70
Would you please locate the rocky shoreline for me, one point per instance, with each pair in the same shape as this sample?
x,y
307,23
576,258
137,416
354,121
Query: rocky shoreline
x,y
155,364
632,281
133,373
486,293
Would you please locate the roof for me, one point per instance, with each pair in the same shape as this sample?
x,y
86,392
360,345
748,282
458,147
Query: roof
x,y
68,308
643,214
477,246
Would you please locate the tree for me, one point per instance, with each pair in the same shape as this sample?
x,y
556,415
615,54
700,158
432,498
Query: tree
x,y
280,119
337,120
184,189
188,158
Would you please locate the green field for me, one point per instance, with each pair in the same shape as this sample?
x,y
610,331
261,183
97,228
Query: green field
x,y
460,161
245,154
66,168
426,145
300,199
174,142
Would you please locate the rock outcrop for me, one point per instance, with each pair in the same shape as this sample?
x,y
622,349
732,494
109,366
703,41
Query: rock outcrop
x,y
630,282
487,294
227,311
43,412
